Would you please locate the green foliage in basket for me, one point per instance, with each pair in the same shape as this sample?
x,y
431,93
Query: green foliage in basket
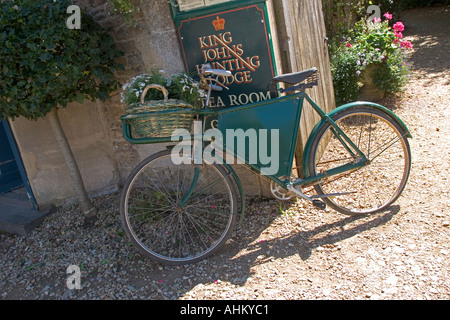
x,y
180,86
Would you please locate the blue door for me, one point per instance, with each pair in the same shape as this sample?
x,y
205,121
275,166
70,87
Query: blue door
x,y
10,177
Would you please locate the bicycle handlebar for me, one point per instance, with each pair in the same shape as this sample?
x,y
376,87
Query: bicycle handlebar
x,y
215,87
207,83
207,70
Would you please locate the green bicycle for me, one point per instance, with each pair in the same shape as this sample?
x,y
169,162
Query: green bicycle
x,y
357,159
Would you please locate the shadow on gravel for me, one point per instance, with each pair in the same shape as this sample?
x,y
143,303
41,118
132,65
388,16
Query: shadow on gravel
x,y
304,242
430,40
247,254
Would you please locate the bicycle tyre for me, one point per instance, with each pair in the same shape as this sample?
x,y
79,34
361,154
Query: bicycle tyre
x,y
163,230
375,186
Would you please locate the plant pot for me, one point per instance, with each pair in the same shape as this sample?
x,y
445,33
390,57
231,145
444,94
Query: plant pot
x,y
369,92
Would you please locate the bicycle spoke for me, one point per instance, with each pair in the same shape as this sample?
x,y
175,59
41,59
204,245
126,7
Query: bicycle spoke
x,y
379,182
397,139
167,231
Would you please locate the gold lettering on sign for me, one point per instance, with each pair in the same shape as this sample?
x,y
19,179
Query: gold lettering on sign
x,y
219,51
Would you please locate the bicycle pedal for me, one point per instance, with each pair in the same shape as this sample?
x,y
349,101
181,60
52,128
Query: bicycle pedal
x,y
319,204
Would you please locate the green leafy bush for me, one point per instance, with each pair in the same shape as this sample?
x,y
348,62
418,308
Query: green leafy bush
x,y
345,75
44,64
371,46
180,86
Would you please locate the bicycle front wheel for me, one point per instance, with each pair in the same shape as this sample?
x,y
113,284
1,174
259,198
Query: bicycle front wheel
x,y
178,213
375,186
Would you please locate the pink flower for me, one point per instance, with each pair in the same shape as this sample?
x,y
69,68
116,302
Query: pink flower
x,y
387,15
348,45
406,44
399,27
375,20
398,34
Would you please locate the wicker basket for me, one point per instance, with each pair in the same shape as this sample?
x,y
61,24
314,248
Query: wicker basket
x,y
159,118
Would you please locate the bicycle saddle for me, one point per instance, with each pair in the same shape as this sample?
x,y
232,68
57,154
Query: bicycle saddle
x,y
295,77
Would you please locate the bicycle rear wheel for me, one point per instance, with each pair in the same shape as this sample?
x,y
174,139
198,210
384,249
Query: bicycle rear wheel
x,y
375,186
178,213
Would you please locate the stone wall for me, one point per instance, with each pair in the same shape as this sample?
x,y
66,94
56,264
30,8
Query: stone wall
x,y
45,166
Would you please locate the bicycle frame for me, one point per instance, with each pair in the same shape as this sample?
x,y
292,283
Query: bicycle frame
x,y
295,103
263,115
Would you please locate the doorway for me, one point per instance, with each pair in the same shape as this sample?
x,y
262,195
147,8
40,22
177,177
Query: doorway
x,y
12,171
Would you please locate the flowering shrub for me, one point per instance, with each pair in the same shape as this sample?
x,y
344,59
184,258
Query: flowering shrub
x,y
180,86
373,46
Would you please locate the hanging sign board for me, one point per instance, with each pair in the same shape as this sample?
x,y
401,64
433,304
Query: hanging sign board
x,y
236,39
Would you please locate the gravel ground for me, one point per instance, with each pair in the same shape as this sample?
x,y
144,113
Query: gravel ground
x,y
290,252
